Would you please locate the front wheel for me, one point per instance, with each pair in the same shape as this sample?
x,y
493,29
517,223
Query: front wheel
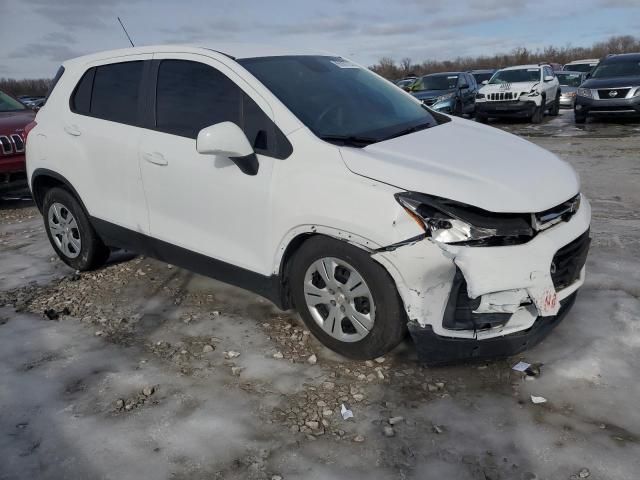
x,y
346,299
555,109
538,113
580,118
70,233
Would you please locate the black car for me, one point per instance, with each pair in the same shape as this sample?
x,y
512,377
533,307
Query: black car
x,y
448,92
612,88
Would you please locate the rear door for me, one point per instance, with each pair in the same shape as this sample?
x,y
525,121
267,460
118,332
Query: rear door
x,y
103,128
205,203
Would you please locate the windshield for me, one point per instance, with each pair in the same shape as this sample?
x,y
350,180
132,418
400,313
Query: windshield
x,y
617,69
515,76
580,67
437,82
10,104
569,79
336,98
481,77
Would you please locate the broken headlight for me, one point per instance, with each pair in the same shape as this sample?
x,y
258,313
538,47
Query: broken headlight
x,y
456,223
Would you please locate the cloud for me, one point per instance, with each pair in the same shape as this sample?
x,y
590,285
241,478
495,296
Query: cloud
x,y
79,14
221,28
49,51
3,69
619,3
319,25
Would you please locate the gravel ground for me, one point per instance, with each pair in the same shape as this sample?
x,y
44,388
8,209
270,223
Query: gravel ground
x,y
144,370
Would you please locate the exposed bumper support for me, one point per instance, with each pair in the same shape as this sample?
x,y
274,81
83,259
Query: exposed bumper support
x,y
434,349
512,288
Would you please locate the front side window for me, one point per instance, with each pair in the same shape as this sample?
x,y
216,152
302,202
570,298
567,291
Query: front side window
x,y
10,104
515,76
191,96
337,100
617,69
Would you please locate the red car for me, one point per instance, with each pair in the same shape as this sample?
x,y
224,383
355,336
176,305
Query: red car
x,y
14,117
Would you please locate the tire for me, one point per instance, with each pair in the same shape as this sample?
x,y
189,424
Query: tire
x,y
580,118
555,109
70,232
538,114
375,303
481,117
457,109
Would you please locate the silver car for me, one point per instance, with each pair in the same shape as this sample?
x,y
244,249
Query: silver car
x,y
569,83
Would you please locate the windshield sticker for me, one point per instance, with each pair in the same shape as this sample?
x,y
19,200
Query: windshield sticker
x,y
342,63
451,78
532,69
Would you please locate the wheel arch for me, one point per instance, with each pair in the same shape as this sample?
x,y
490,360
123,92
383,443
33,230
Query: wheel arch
x,y
43,179
292,242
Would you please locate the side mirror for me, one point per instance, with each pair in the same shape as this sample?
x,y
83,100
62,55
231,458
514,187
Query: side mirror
x,y
485,82
228,140
548,78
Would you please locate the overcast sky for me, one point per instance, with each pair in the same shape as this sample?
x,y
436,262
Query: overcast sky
x,y
37,35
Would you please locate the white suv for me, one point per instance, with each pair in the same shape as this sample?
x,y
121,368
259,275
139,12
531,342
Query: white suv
x,y
317,184
525,91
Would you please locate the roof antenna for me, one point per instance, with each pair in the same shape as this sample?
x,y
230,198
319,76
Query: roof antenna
x,y
125,32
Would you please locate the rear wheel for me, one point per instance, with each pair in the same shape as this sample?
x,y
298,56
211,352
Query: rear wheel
x,y
457,109
346,299
70,233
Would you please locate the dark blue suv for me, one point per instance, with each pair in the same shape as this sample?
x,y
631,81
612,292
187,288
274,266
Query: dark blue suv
x,y
449,92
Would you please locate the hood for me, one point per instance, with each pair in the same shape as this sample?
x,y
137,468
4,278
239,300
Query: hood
x,y
471,163
425,94
518,87
12,122
614,82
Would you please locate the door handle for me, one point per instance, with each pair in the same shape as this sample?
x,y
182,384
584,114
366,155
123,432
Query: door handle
x,y
155,158
72,130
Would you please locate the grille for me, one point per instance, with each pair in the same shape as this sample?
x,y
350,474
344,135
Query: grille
x,y
564,212
11,144
503,96
569,260
605,94
7,146
18,143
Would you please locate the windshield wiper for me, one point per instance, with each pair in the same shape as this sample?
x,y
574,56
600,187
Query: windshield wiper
x,y
352,140
406,131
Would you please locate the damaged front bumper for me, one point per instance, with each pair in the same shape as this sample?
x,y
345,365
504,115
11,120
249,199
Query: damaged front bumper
x,y
478,302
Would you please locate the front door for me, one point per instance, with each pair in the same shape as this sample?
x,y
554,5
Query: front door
x,y
204,203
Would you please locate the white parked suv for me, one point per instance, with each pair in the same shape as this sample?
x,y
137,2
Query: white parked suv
x,y
525,91
317,184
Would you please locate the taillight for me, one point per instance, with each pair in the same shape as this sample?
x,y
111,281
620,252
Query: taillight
x,y
28,129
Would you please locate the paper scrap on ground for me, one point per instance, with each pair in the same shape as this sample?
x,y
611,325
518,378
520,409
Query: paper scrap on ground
x,y
521,366
346,413
535,399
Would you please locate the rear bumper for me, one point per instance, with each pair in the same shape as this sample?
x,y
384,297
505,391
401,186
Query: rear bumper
x,y
509,108
622,106
435,349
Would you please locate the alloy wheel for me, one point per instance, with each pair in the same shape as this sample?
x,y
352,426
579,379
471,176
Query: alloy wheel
x,y
64,230
339,299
